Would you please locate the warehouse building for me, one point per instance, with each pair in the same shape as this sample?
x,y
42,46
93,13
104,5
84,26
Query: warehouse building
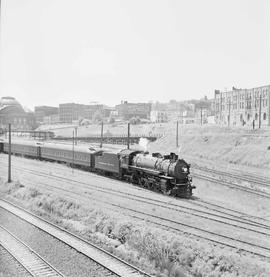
x,y
42,112
243,107
70,112
128,110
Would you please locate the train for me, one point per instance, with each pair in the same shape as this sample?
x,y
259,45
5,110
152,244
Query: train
x,y
167,174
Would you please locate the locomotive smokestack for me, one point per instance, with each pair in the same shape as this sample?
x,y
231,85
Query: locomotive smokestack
x,y
173,156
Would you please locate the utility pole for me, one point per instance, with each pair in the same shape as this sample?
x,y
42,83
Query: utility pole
x,y
201,117
72,151
101,135
9,153
177,144
220,106
76,134
260,111
229,116
128,137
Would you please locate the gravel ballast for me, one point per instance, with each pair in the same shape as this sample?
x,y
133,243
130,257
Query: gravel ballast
x,y
9,267
67,260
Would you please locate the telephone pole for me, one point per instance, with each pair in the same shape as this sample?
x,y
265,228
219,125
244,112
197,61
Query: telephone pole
x,y
229,116
260,111
9,153
73,151
220,107
177,144
76,134
101,136
128,137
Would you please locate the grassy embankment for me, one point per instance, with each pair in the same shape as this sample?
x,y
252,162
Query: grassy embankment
x,y
157,251
241,146
234,146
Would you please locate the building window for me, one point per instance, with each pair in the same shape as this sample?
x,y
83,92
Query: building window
x,y
248,116
264,116
256,116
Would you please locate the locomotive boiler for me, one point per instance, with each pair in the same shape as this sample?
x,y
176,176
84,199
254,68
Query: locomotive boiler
x,y
167,174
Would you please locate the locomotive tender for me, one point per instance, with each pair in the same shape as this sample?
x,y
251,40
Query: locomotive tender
x,y
166,174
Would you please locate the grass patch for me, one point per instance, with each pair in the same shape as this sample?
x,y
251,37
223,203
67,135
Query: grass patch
x,y
159,252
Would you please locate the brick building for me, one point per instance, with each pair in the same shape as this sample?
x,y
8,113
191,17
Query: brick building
x,y
94,111
243,106
128,110
45,111
158,116
69,112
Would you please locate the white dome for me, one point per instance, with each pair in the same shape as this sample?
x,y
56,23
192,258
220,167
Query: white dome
x,y
9,101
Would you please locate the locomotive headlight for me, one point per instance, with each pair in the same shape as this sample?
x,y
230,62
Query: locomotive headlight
x,y
184,169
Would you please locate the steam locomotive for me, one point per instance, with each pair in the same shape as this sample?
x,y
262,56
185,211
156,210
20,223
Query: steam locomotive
x,y
167,174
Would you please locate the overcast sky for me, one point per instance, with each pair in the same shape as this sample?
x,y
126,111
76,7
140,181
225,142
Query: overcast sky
x,y
57,51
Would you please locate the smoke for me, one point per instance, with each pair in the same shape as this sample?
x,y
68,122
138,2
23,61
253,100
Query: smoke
x,y
143,142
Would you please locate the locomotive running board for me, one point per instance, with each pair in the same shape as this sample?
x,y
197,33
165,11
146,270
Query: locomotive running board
x,y
150,171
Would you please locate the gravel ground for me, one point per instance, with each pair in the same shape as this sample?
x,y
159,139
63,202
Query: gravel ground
x,y
65,259
226,199
9,267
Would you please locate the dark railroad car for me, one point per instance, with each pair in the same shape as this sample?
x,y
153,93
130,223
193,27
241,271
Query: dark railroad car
x,y
1,146
24,148
107,161
64,153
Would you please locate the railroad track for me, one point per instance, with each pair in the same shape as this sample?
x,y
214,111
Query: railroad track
x,y
10,266
263,182
210,206
238,214
225,215
113,264
33,263
247,246
232,185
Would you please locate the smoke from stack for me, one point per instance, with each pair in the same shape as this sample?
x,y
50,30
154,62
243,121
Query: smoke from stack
x,y
143,142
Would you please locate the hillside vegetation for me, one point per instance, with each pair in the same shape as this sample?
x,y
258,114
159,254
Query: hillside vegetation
x,y
241,146
231,145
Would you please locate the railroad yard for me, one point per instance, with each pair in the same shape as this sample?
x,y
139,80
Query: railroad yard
x,y
134,138
223,230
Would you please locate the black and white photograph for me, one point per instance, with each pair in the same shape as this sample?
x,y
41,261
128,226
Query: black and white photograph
x,y
135,138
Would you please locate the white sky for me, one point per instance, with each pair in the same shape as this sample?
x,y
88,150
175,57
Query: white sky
x,y
57,51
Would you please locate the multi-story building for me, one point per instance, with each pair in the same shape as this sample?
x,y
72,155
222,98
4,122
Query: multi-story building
x,y
128,110
158,116
97,110
243,106
70,112
51,119
44,111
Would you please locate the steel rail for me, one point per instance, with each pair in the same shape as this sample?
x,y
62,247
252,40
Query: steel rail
x,y
107,260
159,203
208,235
231,185
27,257
265,182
